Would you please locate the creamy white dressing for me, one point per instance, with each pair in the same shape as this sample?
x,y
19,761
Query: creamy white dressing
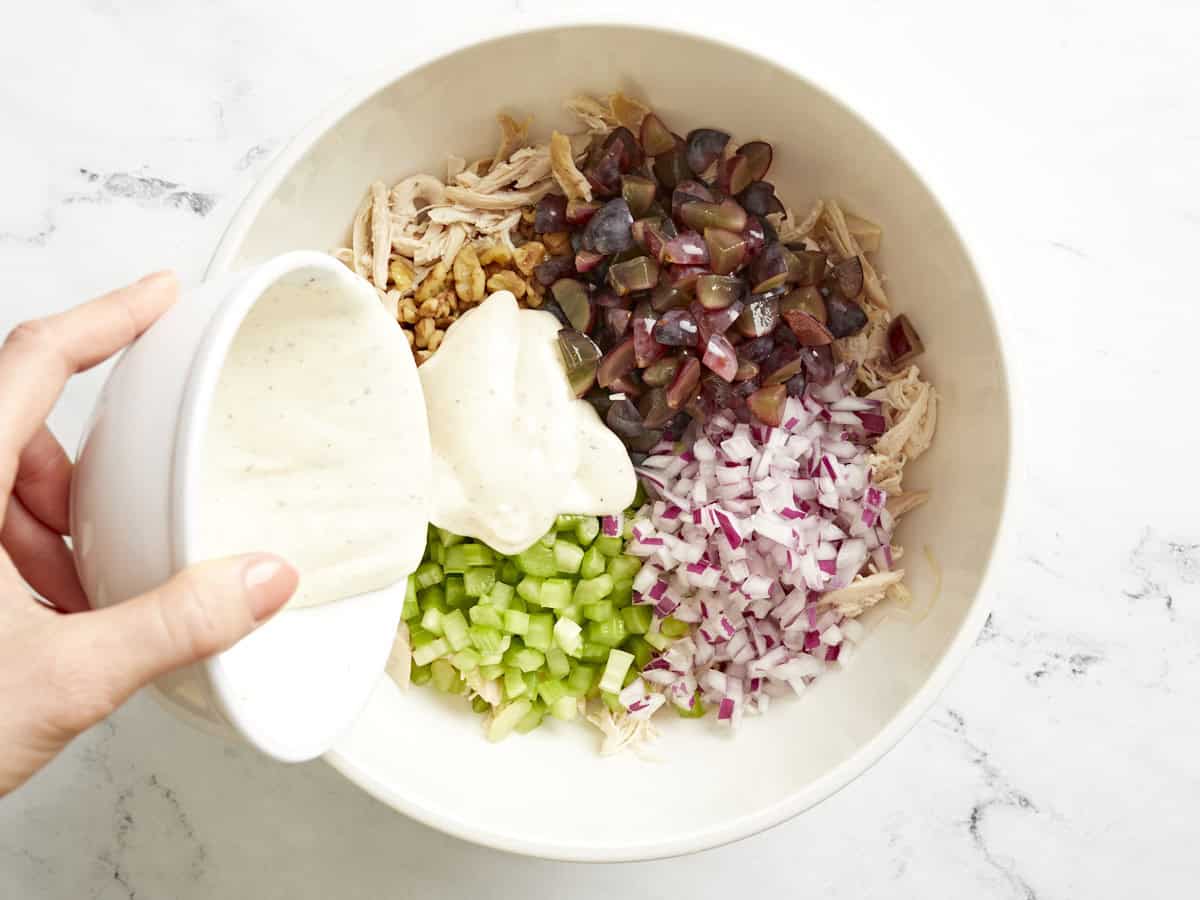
x,y
317,447
512,446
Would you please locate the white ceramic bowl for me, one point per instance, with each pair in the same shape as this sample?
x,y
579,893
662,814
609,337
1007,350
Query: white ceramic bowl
x,y
549,793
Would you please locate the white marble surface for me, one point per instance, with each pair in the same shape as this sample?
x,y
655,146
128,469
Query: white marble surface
x,y
1062,761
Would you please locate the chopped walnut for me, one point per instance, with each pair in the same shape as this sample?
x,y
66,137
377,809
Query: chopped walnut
x,y
468,276
558,243
423,332
408,311
507,281
435,282
402,274
495,252
528,256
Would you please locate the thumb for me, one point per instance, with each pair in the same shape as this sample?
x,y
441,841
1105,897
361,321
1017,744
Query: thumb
x,y
201,611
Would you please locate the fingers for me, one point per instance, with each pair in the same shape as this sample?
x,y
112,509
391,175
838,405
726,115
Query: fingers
x,y
43,481
202,611
38,357
42,558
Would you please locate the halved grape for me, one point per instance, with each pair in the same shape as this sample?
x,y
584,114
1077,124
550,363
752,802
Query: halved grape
x,y
687,248
610,229
808,330
719,291
616,362
757,349
580,357
550,214
668,296
759,155
686,383
624,420
662,372
704,147
735,174
630,150
579,211
747,369
719,356
805,299
727,250
783,365
638,193
805,267
767,404
630,384
904,344
759,198
818,363
603,172
654,238
715,321
769,269
646,348
554,268
606,298
655,410
759,317
670,167
656,137
849,276
617,320
756,231
846,317
727,214
677,328
684,277
688,192
572,296
639,274
586,260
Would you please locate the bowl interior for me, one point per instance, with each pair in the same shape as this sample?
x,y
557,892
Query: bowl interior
x,y
549,793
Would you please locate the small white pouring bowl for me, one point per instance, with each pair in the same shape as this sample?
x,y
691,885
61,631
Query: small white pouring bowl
x,y
295,685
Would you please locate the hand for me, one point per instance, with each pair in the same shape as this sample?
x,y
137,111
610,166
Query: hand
x,y
63,666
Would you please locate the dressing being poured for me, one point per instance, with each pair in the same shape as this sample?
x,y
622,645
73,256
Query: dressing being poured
x,y
317,447
512,445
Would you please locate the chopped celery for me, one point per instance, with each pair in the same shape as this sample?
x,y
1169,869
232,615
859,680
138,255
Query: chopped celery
x,y
547,540
420,674
556,593
531,719
514,683
610,633
479,580
589,590
567,636
454,627
641,650
419,637
657,640
532,680
491,671
506,718
516,622
432,598
518,604
622,593
426,654
487,640
697,711
527,659
491,659
567,521
483,614
637,618
462,557
581,679
456,592
448,538
530,589
614,670
600,611
593,652
567,556
437,552
572,611
551,691
427,575
557,663
593,563
480,705
465,660
565,708
537,560
612,701
432,621
500,595
510,573
412,607
541,627
624,567
586,530
609,546
675,629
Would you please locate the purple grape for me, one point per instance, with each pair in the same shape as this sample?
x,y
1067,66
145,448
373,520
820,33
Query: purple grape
x,y
662,372
758,155
687,248
554,268
727,250
670,168
685,383
904,344
624,420
638,274
655,410
610,229
769,269
550,214
720,356
759,198
845,317
849,277
638,193
704,147
689,192
758,349
818,363
656,137
759,317
805,267
646,348
616,362
579,211
677,328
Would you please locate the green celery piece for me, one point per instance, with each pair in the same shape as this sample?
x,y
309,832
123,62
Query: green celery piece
x,y
609,546
586,530
462,557
612,701
590,590
455,629
600,611
657,640
565,709
548,539
506,718
478,580
527,659
638,618
448,538
427,575
490,672
624,567
465,660
551,691
674,629
516,622
696,712
530,589
572,611
501,595
486,640
510,572
531,719
480,705
567,634
610,633
419,675
483,614
622,593
614,671
641,650
412,607
581,679
537,560
432,621
456,591
432,598
514,683
593,652
518,604
556,593
541,629
567,557
593,563
437,552
567,521
426,654
419,637
557,663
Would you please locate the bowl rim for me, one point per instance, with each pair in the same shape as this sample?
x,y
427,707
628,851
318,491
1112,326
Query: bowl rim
x,y
906,717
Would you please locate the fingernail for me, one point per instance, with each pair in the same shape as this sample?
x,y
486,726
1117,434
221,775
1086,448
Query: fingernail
x,y
269,582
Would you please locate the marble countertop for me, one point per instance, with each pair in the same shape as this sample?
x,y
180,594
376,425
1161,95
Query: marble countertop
x,y
1064,759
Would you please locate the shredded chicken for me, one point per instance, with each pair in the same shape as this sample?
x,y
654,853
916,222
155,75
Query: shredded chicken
x,y
905,502
621,731
566,173
513,136
846,245
628,112
862,593
597,117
